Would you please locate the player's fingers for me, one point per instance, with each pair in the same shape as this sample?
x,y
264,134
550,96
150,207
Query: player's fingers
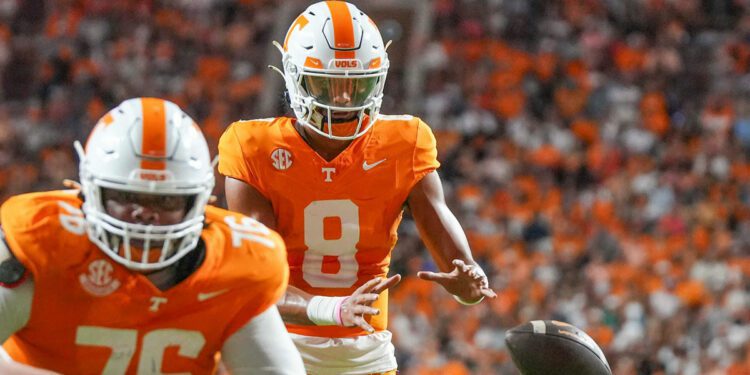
x,y
386,284
367,286
487,292
361,323
70,184
362,299
433,276
484,282
462,267
365,310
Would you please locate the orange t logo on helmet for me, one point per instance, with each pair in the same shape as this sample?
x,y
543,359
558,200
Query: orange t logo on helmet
x,y
334,65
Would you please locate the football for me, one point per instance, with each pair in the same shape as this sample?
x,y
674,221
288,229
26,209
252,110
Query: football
x,y
541,347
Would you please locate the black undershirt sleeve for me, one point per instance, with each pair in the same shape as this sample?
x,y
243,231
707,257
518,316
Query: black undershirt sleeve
x,y
11,270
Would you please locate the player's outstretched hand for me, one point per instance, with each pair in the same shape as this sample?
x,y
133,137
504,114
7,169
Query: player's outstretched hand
x,y
356,307
467,282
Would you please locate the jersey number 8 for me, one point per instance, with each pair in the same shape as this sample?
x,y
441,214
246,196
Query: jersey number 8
x,y
340,242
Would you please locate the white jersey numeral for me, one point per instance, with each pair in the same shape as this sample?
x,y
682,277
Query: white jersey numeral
x,y
342,211
248,229
123,343
72,219
155,342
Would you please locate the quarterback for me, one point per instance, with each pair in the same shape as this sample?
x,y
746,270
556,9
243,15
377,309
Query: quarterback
x,y
134,273
334,180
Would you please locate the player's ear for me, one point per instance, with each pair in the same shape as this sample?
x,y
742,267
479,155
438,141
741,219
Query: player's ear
x,y
75,185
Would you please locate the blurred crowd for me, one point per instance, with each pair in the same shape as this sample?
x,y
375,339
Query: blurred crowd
x,y
65,63
597,155
597,152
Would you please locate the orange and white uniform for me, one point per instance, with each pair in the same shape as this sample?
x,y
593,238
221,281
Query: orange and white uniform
x,y
90,315
338,219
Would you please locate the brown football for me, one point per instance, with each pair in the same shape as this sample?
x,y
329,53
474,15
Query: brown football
x,y
543,347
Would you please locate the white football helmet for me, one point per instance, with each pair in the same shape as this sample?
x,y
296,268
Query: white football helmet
x,y
335,65
145,145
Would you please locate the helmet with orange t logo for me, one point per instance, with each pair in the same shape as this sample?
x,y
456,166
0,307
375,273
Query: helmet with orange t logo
x,y
334,66
145,149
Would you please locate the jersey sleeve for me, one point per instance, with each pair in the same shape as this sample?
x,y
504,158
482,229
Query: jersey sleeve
x,y
22,218
425,152
233,160
269,281
40,227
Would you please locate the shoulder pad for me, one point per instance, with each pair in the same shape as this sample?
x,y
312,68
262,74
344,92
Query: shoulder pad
x,y
26,211
11,270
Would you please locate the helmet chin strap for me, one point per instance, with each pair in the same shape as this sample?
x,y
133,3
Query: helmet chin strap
x,y
319,121
316,119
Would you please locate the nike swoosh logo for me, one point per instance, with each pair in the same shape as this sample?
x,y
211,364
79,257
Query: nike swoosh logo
x,y
204,296
367,167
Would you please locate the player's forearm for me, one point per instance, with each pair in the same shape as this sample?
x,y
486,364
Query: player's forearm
x,y
293,306
301,308
438,227
442,234
448,242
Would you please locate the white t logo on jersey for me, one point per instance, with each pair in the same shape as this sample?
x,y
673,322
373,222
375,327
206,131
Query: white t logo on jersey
x,y
328,171
156,302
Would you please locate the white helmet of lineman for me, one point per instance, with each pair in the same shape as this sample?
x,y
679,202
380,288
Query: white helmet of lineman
x,y
145,145
335,65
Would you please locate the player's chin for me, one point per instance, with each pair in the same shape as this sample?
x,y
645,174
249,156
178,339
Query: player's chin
x,y
141,244
138,250
339,117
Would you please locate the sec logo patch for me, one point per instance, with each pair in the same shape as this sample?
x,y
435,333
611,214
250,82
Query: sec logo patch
x,y
281,159
99,281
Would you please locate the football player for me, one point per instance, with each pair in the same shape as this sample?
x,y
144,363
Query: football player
x,y
333,181
134,273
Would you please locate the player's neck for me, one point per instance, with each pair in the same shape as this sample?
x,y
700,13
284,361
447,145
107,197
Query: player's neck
x,y
170,276
163,279
325,147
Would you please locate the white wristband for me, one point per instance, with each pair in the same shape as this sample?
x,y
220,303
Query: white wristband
x,y
479,271
325,311
457,298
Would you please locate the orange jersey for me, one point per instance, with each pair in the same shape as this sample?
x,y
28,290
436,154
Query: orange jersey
x,y
91,315
338,218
